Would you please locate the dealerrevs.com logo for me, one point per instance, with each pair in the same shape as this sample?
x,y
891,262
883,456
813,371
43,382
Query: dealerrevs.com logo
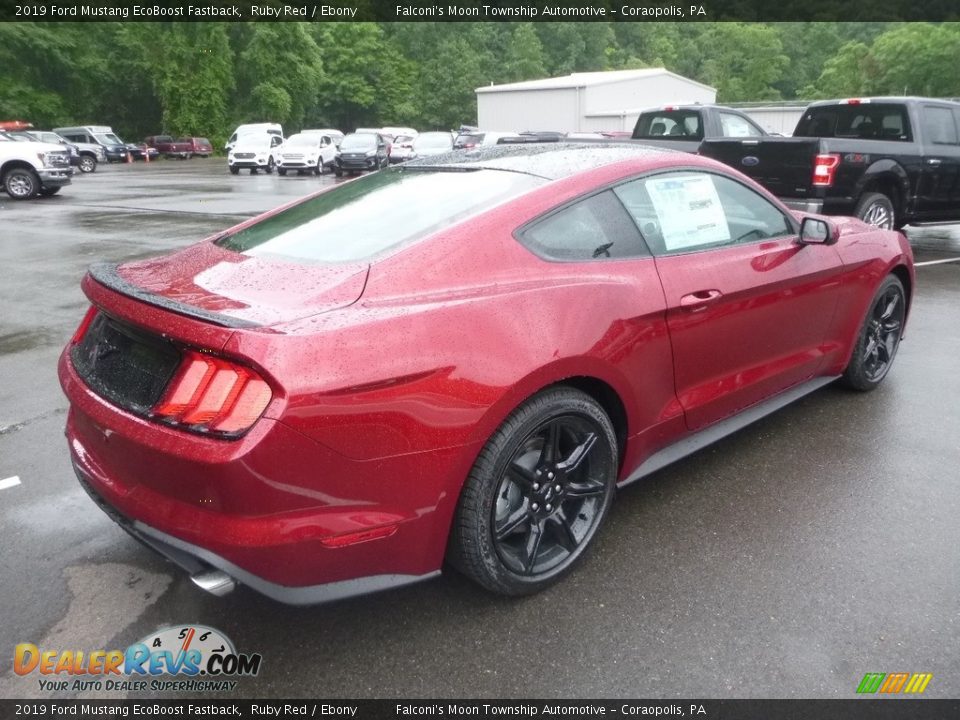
x,y
185,658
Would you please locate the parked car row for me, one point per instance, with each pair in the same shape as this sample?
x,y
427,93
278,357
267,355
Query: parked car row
x,y
184,147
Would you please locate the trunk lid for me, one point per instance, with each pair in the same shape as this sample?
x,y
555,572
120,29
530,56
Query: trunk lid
x,y
235,290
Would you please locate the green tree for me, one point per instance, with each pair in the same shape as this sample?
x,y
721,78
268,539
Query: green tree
x,y
575,46
280,74
191,68
918,59
367,80
742,60
852,71
523,55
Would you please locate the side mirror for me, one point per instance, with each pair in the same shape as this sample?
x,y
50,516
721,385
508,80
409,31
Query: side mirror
x,y
814,231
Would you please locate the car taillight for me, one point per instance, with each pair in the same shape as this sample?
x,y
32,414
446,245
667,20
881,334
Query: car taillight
x,y
824,168
84,325
211,394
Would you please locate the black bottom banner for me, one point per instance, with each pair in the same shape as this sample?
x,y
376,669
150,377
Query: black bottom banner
x,y
853,709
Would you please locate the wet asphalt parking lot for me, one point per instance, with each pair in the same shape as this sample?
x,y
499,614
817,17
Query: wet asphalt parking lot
x,y
786,561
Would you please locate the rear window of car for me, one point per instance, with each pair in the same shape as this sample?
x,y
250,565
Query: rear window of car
x,y
673,124
868,121
474,139
363,218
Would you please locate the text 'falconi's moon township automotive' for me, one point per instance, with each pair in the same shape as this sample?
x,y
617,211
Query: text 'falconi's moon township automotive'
x,y
459,358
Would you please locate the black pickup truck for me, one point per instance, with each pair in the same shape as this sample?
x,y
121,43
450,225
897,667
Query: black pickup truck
x,y
684,127
889,161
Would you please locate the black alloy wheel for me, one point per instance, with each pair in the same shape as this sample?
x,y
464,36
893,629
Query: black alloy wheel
x,y
879,337
537,494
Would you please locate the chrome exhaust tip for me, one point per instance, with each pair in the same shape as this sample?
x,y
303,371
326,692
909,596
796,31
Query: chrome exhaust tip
x,y
215,582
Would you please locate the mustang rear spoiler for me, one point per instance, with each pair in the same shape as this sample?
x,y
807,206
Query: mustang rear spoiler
x,y
106,274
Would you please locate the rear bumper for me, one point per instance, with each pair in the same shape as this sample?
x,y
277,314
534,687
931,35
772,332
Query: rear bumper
x,y
273,509
199,562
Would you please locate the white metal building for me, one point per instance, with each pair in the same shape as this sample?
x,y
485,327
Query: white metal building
x,y
775,117
584,102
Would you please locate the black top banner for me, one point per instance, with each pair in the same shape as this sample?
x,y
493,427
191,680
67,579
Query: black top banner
x,y
480,11
636,709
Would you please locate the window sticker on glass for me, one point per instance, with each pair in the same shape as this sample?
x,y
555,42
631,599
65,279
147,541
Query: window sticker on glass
x,y
689,211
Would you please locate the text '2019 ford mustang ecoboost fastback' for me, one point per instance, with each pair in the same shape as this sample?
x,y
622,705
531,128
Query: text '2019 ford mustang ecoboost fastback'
x,y
318,403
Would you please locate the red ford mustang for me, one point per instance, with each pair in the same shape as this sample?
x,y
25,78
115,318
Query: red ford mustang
x,y
459,359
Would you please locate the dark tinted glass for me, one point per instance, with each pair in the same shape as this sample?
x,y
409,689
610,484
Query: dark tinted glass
x,y
677,124
362,218
938,125
597,227
869,121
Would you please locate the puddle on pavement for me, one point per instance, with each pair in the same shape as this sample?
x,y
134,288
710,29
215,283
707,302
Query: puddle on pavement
x,y
23,340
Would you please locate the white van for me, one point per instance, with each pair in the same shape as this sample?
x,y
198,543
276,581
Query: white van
x,y
268,128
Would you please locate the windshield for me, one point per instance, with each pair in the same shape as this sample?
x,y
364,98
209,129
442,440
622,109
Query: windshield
x,y
359,142
312,140
346,224
254,141
670,124
433,140
108,139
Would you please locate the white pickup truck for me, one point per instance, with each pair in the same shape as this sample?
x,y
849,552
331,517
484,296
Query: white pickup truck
x,y
28,169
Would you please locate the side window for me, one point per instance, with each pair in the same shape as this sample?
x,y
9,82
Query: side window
x,y
591,229
735,126
690,211
938,125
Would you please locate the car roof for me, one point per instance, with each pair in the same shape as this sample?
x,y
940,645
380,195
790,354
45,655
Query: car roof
x,y
551,161
865,100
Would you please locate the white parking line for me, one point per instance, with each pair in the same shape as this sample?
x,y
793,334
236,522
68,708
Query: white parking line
x,y
936,262
9,482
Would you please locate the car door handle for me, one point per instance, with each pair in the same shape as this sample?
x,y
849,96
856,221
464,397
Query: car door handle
x,y
934,161
699,299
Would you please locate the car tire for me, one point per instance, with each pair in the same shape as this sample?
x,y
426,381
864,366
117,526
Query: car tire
x,y
87,164
514,533
385,164
318,170
282,172
338,171
879,337
876,209
234,171
21,183
270,166
49,191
